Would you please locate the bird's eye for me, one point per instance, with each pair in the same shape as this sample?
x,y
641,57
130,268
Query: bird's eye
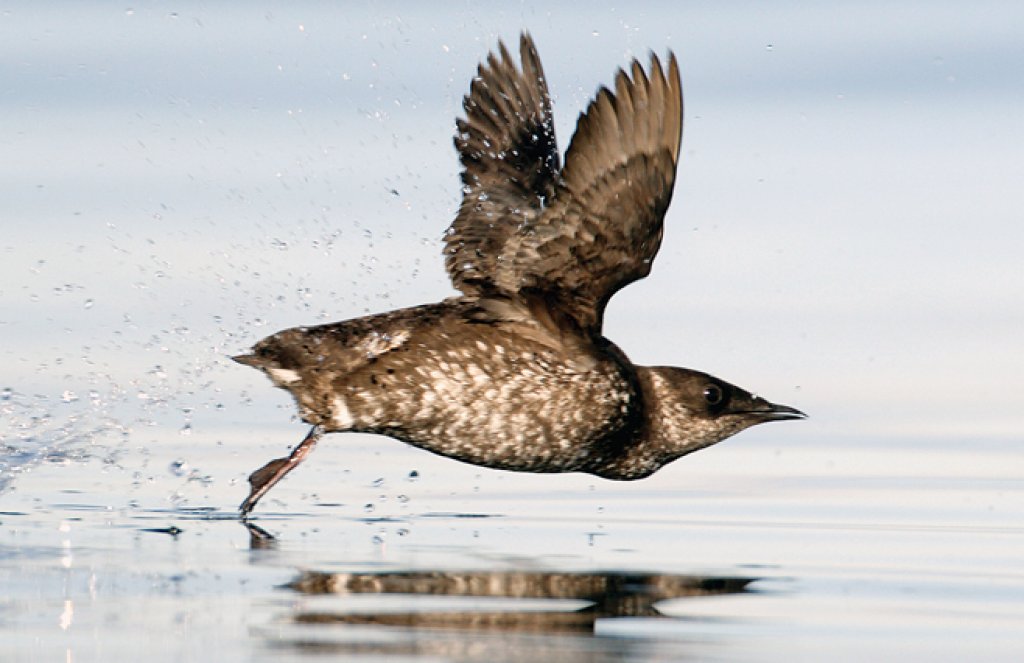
x,y
713,395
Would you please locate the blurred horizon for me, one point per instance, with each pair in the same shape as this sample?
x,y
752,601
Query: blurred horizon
x,y
843,236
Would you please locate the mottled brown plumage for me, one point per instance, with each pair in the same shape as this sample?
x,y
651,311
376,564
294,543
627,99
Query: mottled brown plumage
x,y
580,234
515,373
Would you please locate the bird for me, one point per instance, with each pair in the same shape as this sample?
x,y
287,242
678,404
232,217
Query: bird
x,y
514,372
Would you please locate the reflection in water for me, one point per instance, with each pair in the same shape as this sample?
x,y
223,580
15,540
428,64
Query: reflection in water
x,y
259,538
535,614
612,594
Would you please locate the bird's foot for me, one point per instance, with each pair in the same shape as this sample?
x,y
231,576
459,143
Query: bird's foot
x,y
263,479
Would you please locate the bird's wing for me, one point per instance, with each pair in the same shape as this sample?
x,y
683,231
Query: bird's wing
x,y
510,164
604,226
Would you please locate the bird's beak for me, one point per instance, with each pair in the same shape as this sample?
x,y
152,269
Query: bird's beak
x,y
773,412
767,411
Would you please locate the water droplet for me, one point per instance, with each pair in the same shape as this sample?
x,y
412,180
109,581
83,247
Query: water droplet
x,y
69,396
413,475
377,483
368,508
769,47
185,430
89,303
178,468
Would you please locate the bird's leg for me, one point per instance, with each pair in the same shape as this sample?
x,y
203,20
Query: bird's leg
x,y
264,478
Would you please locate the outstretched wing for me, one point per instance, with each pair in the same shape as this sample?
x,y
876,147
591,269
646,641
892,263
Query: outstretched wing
x,y
510,164
604,226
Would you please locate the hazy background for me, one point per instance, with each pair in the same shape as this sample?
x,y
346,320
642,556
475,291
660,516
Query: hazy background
x,y
180,180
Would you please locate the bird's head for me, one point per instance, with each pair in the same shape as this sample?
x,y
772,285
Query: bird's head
x,y
692,410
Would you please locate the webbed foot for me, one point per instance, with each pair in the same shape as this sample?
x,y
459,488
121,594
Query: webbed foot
x,y
263,479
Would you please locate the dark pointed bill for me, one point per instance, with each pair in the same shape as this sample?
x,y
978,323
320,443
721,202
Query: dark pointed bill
x,y
773,412
762,410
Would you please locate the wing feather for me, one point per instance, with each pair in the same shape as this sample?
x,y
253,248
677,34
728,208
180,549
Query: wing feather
x,y
604,227
528,235
506,143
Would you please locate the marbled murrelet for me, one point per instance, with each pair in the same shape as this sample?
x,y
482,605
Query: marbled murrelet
x,y
515,373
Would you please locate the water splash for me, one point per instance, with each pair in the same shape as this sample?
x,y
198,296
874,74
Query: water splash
x,y
36,428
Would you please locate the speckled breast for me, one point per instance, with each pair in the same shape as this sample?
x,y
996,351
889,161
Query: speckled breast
x,y
483,394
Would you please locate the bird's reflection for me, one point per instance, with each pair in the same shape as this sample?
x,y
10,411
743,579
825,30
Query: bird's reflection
x,y
490,616
609,595
259,538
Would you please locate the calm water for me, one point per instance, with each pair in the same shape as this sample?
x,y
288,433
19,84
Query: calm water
x,y
844,238
764,550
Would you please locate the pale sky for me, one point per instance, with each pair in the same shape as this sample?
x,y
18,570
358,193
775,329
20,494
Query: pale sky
x,y
844,237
